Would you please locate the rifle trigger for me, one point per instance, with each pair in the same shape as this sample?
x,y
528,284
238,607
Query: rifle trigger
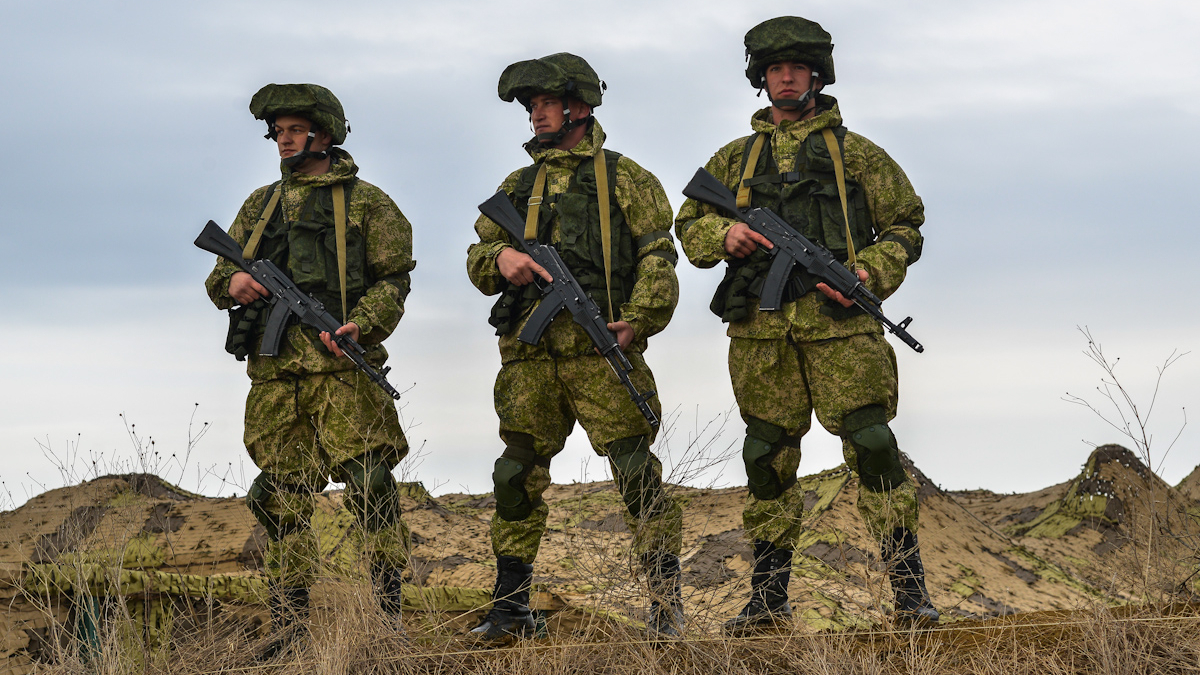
x,y
905,322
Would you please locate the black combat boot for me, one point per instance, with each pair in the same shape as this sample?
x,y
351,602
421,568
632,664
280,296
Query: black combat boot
x,y
289,615
387,587
903,557
666,599
510,616
768,604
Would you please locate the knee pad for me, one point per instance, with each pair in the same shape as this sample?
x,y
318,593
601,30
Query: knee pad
x,y
640,484
371,493
763,442
278,522
509,474
875,448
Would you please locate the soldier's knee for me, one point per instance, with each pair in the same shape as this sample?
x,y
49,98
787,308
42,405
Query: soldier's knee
x,y
509,474
371,493
763,443
637,477
875,448
263,500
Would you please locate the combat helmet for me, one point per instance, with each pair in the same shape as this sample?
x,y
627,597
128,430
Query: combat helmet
x,y
563,75
310,101
789,38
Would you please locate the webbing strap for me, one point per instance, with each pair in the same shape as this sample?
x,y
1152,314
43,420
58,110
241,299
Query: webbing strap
x,y
256,234
605,227
535,203
835,154
339,233
743,193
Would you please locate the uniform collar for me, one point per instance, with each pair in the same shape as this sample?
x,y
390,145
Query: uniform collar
x,y
829,116
591,143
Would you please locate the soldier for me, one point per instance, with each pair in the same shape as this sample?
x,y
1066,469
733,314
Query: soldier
x,y
311,415
817,352
543,389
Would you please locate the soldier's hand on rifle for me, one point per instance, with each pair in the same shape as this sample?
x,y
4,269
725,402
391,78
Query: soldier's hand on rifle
x,y
350,330
741,241
838,297
519,268
244,289
624,333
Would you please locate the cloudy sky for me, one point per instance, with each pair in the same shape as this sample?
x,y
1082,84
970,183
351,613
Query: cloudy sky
x,y
1054,144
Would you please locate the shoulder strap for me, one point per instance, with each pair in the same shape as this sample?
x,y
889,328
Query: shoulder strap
x,y
602,195
535,203
268,211
339,233
839,174
743,193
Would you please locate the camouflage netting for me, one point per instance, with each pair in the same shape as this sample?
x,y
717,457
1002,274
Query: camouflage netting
x,y
157,558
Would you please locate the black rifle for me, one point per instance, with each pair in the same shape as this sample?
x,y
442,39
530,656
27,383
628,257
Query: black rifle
x,y
288,300
564,292
791,248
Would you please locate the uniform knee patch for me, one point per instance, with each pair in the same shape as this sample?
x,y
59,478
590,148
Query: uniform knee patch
x,y
640,484
259,500
763,442
875,448
371,493
508,477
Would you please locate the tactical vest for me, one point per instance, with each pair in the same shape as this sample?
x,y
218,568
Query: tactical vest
x,y
806,198
307,250
577,212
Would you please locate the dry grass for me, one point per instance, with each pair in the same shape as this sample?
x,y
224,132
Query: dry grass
x,y
355,638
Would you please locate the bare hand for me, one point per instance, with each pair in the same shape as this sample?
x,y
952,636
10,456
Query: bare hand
x,y
519,268
624,333
838,297
741,241
351,330
244,289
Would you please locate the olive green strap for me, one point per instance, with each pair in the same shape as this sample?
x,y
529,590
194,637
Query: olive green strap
x,y
535,203
743,193
835,154
339,233
256,234
605,227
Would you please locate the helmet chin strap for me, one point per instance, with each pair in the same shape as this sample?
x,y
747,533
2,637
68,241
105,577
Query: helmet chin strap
x,y
790,104
550,139
307,153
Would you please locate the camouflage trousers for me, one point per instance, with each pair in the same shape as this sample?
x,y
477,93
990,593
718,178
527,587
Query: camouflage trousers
x,y
303,431
784,382
543,399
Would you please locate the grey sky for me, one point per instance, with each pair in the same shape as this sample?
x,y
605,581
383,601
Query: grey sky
x,y
1054,144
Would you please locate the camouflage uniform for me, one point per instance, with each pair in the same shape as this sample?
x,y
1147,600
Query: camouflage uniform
x,y
809,355
310,415
543,389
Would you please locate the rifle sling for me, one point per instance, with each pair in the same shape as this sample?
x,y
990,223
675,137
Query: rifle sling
x,y
839,174
605,227
256,234
535,203
743,193
339,233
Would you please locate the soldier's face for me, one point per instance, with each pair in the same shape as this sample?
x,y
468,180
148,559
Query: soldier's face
x,y
546,112
788,79
291,133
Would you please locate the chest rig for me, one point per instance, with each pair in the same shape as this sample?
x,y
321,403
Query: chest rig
x,y
807,198
577,212
323,256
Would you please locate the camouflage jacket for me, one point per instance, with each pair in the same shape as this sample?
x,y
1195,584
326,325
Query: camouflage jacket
x,y
894,207
388,237
644,204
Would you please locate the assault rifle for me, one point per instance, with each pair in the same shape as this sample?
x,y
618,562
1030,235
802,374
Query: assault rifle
x,y
287,300
564,292
792,248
